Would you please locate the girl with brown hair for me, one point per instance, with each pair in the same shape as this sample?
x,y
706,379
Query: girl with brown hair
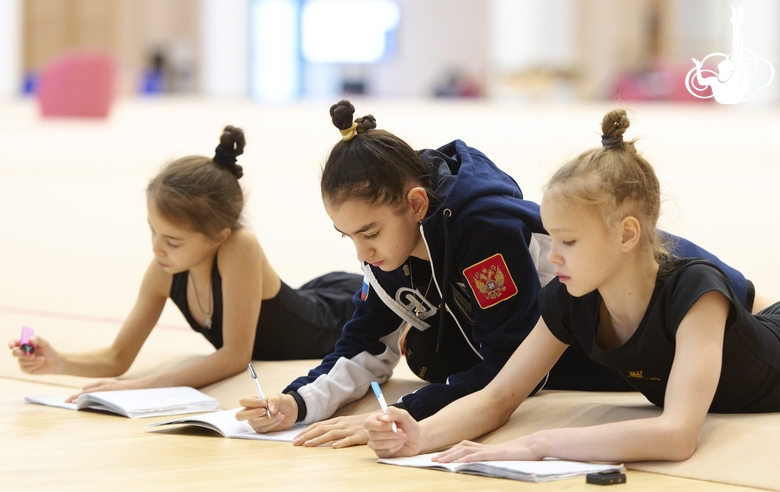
x,y
216,272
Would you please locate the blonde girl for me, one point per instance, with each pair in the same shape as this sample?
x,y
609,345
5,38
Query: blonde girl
x,y
673,328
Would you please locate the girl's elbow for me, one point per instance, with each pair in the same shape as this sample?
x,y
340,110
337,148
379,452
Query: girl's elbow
x,y
239,359
501,409
121,365
684,450
504,415
681,444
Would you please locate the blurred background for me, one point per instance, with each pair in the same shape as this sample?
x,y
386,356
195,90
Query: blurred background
x,y
97,95
278,51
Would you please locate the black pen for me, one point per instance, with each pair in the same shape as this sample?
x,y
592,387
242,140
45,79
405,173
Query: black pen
x,y
259,389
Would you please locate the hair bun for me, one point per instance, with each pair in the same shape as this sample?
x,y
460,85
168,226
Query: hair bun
x,y
341,114
231,145
613,126
367,122
615,123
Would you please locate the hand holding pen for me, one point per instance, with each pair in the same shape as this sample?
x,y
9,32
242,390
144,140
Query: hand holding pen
x,y
394,433
382,402
278,412
259,389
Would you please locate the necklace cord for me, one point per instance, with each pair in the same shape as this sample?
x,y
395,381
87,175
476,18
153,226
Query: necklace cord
x,y
197,299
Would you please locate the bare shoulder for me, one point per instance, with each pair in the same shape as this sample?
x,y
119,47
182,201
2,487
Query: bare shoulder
x,y
242,246
242,258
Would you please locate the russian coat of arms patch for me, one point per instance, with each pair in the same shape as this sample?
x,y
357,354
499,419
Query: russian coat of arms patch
x,y
490,281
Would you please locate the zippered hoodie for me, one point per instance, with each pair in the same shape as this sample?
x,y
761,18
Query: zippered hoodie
x,y
484,243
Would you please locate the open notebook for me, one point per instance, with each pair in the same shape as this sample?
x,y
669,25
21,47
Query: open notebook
x,y
528,471
226,424
138,403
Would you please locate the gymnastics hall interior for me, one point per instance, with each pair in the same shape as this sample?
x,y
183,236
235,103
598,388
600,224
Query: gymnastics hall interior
x,y
75,239
76,243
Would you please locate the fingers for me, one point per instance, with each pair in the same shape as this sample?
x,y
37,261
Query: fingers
x,y
387,448
255,414
383,422
101,385
73,398
42,360
266,424
341,431
359,439
462,452
340,437
273,402
381,437
95,386
39,344
252,401
397,416
312,433
254,408
29,364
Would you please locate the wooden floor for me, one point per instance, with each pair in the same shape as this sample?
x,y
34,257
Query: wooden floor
x,y
75,244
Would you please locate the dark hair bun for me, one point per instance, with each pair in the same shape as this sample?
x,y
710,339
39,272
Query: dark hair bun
x,y
231,145
341,115
233,138
367,122
615,123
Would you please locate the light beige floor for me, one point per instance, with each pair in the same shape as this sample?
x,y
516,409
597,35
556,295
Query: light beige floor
x,y
75,243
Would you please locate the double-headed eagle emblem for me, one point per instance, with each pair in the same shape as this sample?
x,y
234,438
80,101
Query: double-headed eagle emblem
x,y
490,282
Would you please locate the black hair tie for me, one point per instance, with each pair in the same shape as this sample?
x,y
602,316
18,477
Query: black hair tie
x,y
608,142
224,156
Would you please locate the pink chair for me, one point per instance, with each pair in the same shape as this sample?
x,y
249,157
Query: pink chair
x,y
77,84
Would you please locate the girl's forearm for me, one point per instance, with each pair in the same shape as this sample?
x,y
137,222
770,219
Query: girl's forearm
x,y
215,367
466,418
633,440
101,363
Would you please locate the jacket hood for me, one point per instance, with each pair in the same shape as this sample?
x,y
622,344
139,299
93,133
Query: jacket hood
x,y
467,182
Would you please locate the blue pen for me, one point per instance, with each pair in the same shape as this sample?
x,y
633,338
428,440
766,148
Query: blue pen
x,y
382,402
259,390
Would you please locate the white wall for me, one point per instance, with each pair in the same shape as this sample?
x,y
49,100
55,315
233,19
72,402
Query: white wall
x,y
434,37
761,35
531,34
224,47
10,48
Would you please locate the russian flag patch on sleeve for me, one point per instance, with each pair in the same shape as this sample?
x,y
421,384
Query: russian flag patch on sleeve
x,y
490,281
364,290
